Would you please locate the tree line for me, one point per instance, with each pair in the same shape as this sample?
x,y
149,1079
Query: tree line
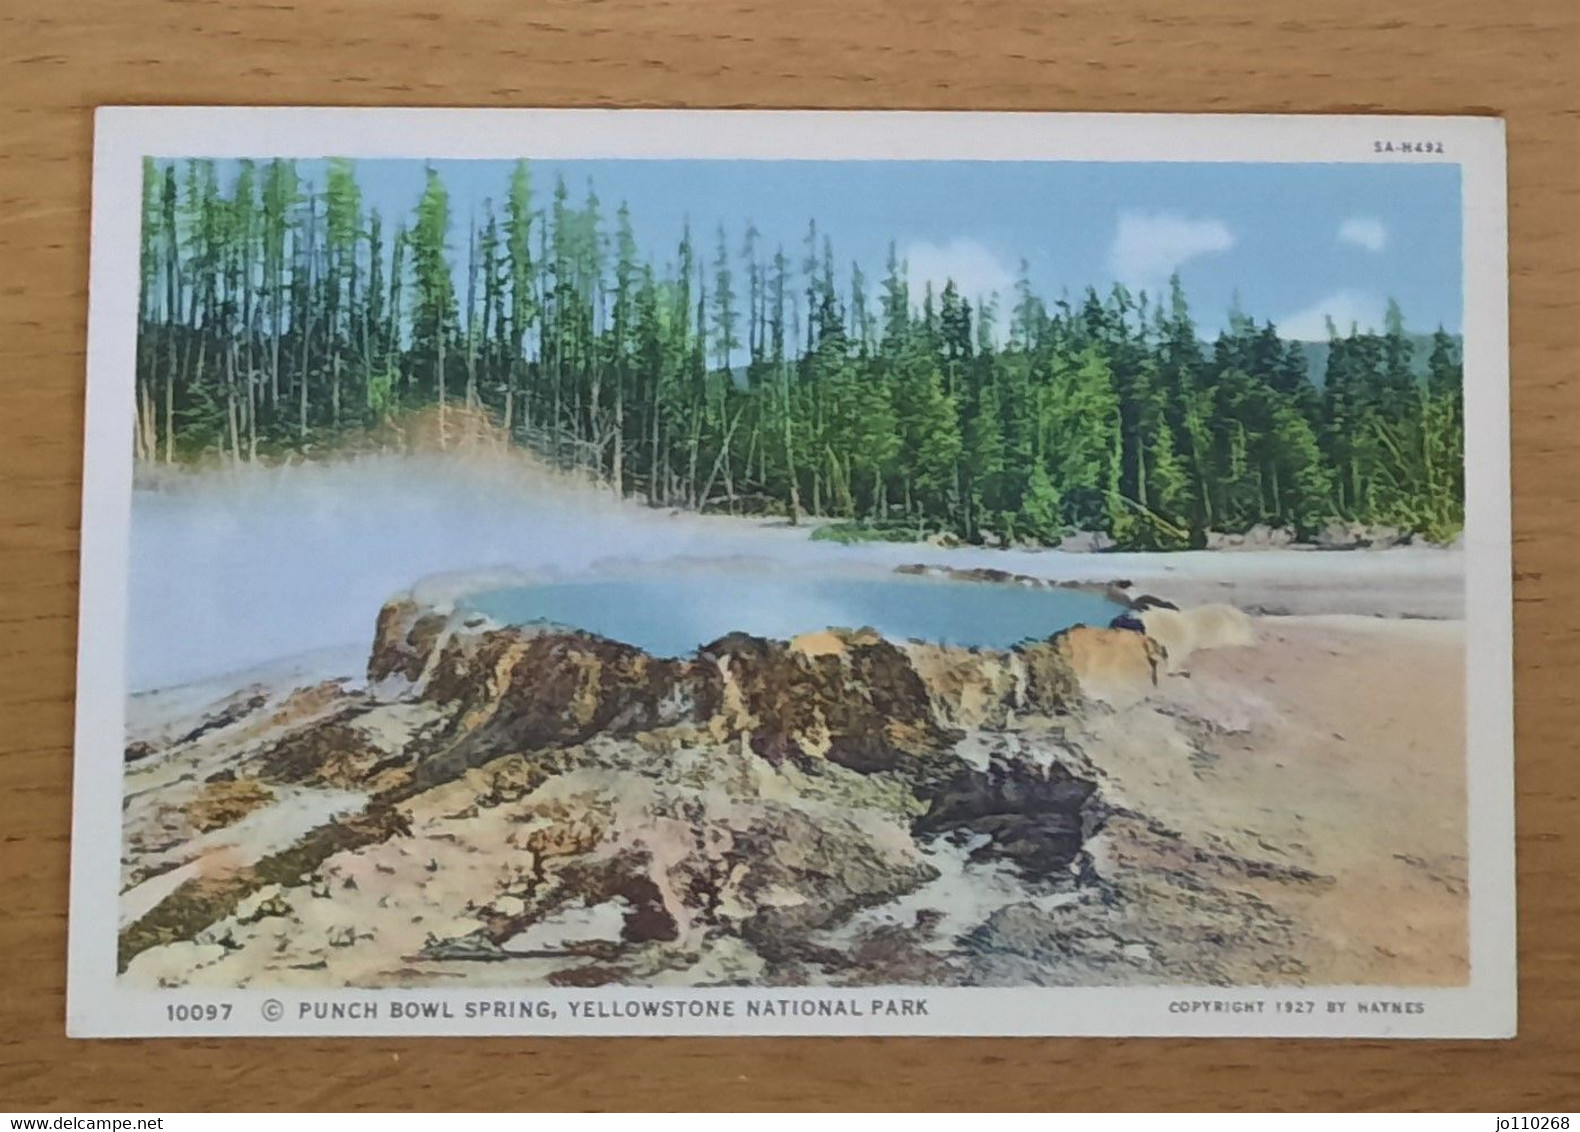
x,y
281,316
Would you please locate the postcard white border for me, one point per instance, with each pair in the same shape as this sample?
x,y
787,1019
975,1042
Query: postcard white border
x,y
97,1006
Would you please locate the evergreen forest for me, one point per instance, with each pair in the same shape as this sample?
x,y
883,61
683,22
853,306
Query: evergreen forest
x,y
284,319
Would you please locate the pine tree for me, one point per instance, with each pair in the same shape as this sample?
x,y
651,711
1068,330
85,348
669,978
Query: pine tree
x,y
896,304
523,299
343,220
938,448
434,314
1082,422
984,461
280,199
725,338
1041,509
1445,377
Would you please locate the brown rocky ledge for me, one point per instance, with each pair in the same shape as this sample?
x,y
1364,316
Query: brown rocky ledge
x,y
540,805
1117,591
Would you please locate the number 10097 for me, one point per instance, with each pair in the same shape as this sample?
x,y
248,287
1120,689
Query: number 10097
x,y
197,1011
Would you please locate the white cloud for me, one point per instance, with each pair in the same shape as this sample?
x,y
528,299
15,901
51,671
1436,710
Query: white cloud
x,y
1345,308
1364,232
1150,246
976,271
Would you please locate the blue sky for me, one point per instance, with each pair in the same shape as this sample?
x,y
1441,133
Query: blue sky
x,y
1294,241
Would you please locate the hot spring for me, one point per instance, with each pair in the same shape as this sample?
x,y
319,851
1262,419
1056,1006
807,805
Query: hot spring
x,y
674,615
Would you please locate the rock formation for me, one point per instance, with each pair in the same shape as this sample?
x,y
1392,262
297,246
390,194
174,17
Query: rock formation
x,y
535,804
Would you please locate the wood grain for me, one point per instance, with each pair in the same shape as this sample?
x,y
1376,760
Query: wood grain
x,y
59,60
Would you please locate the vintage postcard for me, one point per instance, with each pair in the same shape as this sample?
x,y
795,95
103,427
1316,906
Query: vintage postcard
x,y
601,572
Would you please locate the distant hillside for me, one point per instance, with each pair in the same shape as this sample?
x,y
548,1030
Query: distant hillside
x,y
1317,356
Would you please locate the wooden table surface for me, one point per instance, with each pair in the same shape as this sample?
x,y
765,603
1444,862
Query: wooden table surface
x,y
1517,58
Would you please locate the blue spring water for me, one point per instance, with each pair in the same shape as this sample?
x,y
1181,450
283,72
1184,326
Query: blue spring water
x,y
672,616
